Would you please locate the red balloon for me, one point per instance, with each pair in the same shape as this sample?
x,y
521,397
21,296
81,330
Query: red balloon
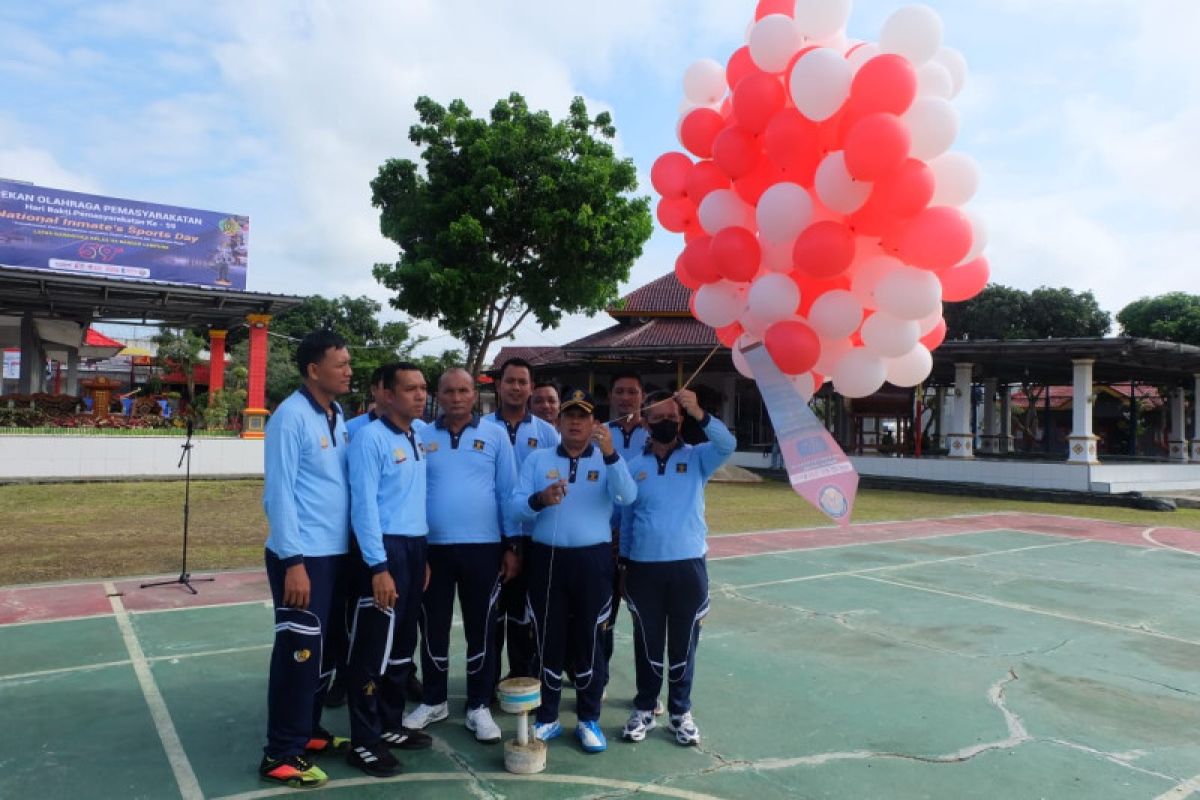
x,y
936,238
685,277
964,282
824,249
729,335
705,177
792,141
696,258
698,130
832,132
765,175
740,65
756,99
876,145
768,7
736,152
933,340
885,83
693,232
812,288
793,346
736,254
676,213
895,197
669,174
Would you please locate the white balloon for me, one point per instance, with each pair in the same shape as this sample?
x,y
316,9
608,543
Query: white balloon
x,y
979,237
909,293
933,123
956,64
836,187
819,83
934,79
753,324
722,209
861,55
914,32
778,257
909,369
784,210
889,337
773,42
704,82
930,322
956,179
835,314
837,42
832,351
820,19
865,276
773,297
720,304
739,360
859,374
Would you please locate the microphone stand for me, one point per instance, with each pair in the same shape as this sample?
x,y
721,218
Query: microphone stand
x,y
185,577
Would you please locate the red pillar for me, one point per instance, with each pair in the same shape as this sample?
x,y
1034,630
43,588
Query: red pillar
x,y
254,419
216,362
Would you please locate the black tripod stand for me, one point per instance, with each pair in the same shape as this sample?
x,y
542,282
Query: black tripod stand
x,y
184,577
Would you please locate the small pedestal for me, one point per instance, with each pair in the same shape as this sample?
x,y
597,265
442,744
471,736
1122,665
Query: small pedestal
x,y
526,754
254,423
101,390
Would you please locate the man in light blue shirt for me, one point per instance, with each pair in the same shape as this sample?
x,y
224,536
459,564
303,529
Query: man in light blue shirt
x,y
568,494
307,502
663,544
470,472
362,420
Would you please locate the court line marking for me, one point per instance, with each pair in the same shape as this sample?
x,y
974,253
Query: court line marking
x,y
1033,610
185,776
1149,537
1182,791
266,602
831,528
466,777
868,570
817,548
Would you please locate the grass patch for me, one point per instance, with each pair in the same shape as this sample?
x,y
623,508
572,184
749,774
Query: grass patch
x,y
101,530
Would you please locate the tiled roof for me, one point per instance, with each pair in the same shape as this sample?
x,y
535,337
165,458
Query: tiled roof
x,y
664,296
661,333
537,356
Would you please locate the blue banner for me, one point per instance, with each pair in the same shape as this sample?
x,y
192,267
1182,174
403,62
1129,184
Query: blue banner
x,y
86,234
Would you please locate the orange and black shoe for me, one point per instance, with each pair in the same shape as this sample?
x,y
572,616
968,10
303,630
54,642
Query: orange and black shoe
x,y
323,741
294,771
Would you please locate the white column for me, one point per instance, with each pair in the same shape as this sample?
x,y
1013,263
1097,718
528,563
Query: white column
x,y
991,428
961,440
1196,421
1178,445
1006,437
939,421
1082,441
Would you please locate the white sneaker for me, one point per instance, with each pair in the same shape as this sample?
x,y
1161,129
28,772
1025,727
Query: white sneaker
x,y
480,722
637,725
684,728
424,715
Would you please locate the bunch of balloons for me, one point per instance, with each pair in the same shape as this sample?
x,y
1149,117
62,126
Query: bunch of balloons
x,y
819,199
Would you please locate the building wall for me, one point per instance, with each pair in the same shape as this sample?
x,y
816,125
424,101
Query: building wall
x,y
108,457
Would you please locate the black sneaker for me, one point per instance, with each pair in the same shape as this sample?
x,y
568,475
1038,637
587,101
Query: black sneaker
x,y
294,771
405,739
413,689
377,761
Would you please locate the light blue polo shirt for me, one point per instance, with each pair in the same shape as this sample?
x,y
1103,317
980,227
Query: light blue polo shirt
x,y
469,479
530,434
306,491
666,520
594,485
387,488
361,421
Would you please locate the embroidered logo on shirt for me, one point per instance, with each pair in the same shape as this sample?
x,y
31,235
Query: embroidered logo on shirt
x,y
532,442
302,655
432,447
553,474
641,476
399,455
681,467
593,475
479,444
324,443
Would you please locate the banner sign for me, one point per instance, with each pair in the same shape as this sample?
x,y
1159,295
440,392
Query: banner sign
x,y
86,234
816,466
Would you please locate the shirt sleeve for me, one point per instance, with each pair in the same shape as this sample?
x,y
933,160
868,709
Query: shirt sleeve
x,y
518,502
506,481
281,461
365,470
622,489
626,518
719,447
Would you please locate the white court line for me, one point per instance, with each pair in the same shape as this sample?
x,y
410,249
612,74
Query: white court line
x,y
266,603
435,777
802,550
869,570
185,776
858,525
1034,610
1148,536
149,659
1182,791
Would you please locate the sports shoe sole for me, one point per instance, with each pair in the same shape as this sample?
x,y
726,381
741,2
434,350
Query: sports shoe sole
x,y
410,742
640,735
436,718
471,727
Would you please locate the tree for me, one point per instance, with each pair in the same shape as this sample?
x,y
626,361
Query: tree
x,y
1174,317
998,312
180,349
1065,314
1002,312
510,217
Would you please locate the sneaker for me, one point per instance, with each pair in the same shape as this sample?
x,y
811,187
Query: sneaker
x,y
480,722
684,728
323,741
405,739
590,737
293,771
659,709
376,761
414,692
637,725
424,715
547,730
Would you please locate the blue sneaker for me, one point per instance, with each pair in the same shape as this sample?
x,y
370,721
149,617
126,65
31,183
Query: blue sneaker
x,y
547,730
591,737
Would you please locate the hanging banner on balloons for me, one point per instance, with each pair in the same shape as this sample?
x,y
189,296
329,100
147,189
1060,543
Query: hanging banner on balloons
x,y
822,208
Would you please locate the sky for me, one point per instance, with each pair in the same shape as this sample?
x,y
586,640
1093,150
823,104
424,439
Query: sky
x,y
1083,115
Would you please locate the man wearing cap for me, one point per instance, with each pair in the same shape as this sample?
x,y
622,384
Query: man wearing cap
x,y
568,494
662,549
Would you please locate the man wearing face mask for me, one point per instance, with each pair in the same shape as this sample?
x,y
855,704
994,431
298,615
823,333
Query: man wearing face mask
x,y
662,555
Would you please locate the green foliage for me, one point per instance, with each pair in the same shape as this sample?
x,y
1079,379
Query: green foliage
x,y
1002,312
180,350
510,217
224,409
1173,317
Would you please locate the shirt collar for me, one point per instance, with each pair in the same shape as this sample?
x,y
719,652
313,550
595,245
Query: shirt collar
x,y
440,423
396,429
527,418
312,401
587,451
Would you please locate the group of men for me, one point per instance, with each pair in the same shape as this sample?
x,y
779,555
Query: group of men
x,y
539,529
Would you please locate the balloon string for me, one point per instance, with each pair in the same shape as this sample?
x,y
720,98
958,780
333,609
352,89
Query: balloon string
x,y
686,384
